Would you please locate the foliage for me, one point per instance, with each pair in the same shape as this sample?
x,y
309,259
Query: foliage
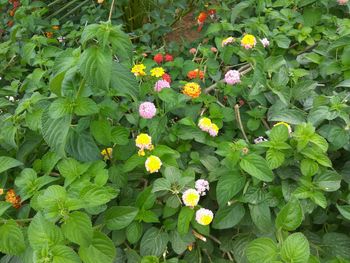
x,y
78,182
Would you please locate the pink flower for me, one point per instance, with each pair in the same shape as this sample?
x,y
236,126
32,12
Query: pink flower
x,y
214,49
232,77
342,2
193,51
161,84
147,110
265,42
202,186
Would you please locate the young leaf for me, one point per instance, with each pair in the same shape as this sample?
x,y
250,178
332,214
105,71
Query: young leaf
x,y
154,242
257,166
262,250
11,238
228,186
295,249
228,216
184,219
119,217
290,216
7,163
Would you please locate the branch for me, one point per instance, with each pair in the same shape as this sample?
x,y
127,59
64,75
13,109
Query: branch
x,y
111,11
238,118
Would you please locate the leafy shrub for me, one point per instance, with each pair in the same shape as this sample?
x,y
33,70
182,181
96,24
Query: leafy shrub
x,y
236,149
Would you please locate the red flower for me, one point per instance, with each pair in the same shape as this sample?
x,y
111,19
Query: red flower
x,y
168,58
158,58
212,12
202,17
166,77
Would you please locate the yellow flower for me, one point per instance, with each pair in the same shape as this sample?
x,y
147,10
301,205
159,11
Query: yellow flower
x,y
190,197
153,164
192,90
204,216
204,124
144,141
157,72
213,130
248,41
227,41
285,124
139,70
107,153
100,1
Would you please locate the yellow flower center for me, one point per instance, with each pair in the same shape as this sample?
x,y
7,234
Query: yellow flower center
x,y
191,198
206,219
248,41
143,140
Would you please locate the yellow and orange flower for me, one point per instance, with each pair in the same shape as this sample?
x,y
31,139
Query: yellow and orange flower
x,y
139,70
192,90
12,198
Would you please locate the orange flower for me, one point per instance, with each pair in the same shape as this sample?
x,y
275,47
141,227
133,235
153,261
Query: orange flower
x,y
192,90
202,17
193,74
49,34
12,198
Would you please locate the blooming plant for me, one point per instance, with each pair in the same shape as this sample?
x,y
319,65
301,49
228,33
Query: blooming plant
x,y
186,131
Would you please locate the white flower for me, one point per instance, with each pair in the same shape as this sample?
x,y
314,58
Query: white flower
x,y
204,216
202,186
190,197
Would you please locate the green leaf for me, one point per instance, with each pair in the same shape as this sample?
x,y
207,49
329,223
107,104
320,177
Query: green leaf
x,y
184,219
261,216
161,184
93,195
134,232
71,169
279,133
228,186
55,132
257,166
262,250
291,216
4,206
328,181
344,211
308,167
61,107
82,146
150,259
336,244
101,250
102,131
154,242
119,217
120,135
295,249
95,66
77,228
85,106
290,116
123,82
64,254
228,216
42,233
274,158
11,238
7,163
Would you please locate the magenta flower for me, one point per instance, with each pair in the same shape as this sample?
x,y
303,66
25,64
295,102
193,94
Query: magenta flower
x,y
232,77
147,110
161,84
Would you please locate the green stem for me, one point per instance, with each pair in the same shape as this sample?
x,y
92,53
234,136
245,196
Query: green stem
x,y
111,11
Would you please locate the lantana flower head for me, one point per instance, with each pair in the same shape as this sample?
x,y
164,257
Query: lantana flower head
x,y
232,77
202,186
153,164
12,198
285,124
166,77
260,139
144,142
157,72
190,197
202,17
161,84
342,2
158,58
107,153
192,90
197,73
193,51
213,130
204,216
227,41
139,70
147,110
248,41
265,42
169,58
204,124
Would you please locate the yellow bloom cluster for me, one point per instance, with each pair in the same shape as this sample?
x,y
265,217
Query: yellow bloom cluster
x,y
107,153
153,164
248,41
206,125
192,90
144,142
157,72
139,70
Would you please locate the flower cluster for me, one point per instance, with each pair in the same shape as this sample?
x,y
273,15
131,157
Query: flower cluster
x,y
205,124
139,70
107,153
153,164
248,41
191,198
232,77
227,41
12,198
166,77
161,84
157,72
265,42
147,110
197,73
144,142
260,139
158,58
192,90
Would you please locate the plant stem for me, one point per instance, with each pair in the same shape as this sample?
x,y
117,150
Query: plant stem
x,y
111,11
238,118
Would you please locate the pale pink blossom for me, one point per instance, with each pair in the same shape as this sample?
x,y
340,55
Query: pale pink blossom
x,y
232,77
147,110
342,2
161,84
202,186
265,42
